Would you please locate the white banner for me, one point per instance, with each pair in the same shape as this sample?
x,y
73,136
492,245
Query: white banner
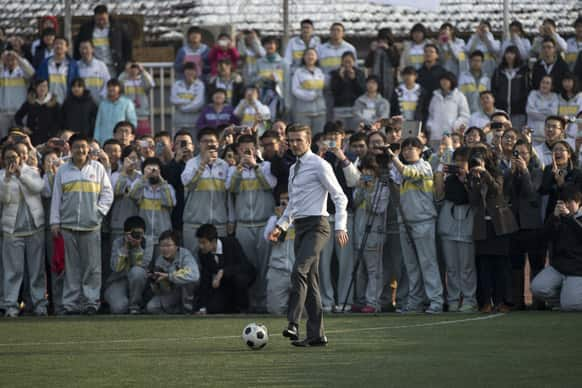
x,y
423,5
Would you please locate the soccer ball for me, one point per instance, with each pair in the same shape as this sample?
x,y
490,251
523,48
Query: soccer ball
x,y
255,336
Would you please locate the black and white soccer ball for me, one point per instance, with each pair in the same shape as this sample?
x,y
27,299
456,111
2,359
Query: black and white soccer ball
x,y
255,336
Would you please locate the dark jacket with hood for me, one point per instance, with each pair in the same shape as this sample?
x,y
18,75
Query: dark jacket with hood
x,y
42,119
79,113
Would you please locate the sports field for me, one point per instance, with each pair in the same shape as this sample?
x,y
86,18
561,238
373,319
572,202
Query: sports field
x,y
527,349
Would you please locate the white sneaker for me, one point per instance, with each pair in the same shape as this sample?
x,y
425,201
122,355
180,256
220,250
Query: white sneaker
x,y
326,309
12,313
338,308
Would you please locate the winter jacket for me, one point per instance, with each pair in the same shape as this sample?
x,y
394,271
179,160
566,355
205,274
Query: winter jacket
x,y
154,205
456,217
511,89
447,113
60,79
550,187
124,259
490,48
416,193
209,117
345,90
217,53
559,68
80,197
383,63
234,88
565,232
109,114
27,188
412,55
471,87
181,270
120,44
123,206
410,104
42,118
14,85
524,197
79,114
452,56
330,56
138,91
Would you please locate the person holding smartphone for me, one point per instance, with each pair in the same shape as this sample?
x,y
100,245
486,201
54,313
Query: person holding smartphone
x,y
131,255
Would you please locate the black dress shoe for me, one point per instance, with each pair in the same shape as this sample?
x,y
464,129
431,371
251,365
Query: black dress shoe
x,y
307,342
291,332
90,311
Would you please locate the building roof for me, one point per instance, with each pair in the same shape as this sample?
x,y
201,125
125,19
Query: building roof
x,y
167,19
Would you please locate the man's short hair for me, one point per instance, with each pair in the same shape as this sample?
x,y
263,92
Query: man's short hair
x,y
382,135
549,39
461,153
245,139
332,127
412,142
114,82
562,120
296,128
409,70
111,142
151,162
270,134
208,232
49,31
124,124
183,132
571,192
337,24
499,113
100,9
78,137
306,21
477,53
134,222
359,136
161,134
434,46
189,66
170,235
193,30
206,131
451,78
486,92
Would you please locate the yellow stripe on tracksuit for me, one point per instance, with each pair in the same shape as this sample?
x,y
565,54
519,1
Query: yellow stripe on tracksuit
x,y
100,42
312,84
95,82
82,187
250,185
416,181
290,234
12,82
182,272
211,184
408,106
472,88
568,110
57,79
186,96
150,204
134,90
267,73
331,62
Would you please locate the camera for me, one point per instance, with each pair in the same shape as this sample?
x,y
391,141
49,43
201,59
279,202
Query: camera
x,y
330,143
136,234
183,143
212,147
94,152
496,125
451,169
516,154
367,127
248,153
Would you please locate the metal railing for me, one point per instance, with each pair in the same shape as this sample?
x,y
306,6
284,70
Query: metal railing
x,y
164,75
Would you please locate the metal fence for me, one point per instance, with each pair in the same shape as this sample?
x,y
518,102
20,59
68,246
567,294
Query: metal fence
x,y
159,96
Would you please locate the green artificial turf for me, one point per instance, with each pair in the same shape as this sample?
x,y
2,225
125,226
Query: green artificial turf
x,y
529,349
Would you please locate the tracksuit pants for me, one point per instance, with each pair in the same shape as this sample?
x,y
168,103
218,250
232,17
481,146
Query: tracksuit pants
x,y
257,251
345,257
278,289
22,255
423,271
82,285
558,289
461,273
369,276
126,293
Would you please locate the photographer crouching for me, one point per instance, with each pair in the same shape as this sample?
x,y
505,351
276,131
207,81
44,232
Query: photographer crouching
x,y
493,223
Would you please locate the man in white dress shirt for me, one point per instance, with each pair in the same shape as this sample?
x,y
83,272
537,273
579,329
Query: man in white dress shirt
x,y
311,179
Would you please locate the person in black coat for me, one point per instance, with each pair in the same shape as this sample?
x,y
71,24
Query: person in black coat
x,y
347,83
79,110
45,48
119,41
172,172
563,170
521,185
226,273
549,57
42,112
510,83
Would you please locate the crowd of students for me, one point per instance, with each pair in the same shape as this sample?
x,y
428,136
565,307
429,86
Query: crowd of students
x,y
99,214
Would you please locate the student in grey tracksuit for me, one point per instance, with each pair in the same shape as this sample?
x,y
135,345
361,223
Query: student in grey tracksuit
x,y
206,196
418,215
455,228
155,199
251,184
23,228
281,262
174,277
370,201
123,206
82,196
131,255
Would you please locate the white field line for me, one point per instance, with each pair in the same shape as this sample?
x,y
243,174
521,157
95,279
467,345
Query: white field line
x,y
184,339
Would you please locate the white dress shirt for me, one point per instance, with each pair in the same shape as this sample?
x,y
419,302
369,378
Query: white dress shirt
x,y
308,192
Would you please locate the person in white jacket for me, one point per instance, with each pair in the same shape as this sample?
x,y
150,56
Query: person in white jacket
x,y
298,44
451,50
474,81
24,235
448,110
188,99
307,89
484,41
541,103
518,39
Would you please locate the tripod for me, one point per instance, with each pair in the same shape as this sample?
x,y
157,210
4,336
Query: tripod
x,y
383,182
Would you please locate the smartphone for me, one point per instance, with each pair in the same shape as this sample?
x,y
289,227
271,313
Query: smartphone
x,y
395,147
159,148
330,143
451,168
496,125
59,143
144,144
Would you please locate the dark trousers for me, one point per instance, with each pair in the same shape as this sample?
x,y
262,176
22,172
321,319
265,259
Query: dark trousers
x,y
232,295
533,243
494,279
311,234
